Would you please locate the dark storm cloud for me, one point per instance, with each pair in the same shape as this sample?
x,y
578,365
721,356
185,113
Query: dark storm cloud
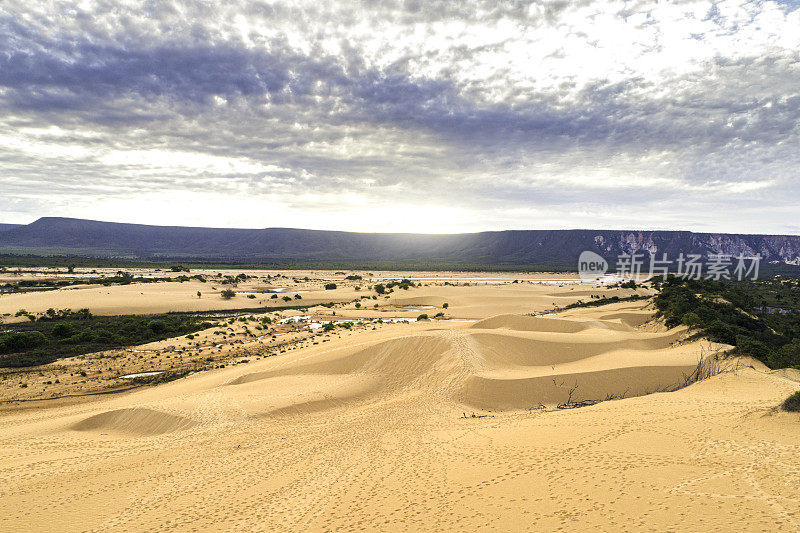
x,y
69,73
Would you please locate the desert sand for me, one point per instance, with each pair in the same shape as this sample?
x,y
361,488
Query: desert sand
x,y
426,426
165,297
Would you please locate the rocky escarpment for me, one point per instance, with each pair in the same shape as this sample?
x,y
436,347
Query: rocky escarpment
x,y
775,249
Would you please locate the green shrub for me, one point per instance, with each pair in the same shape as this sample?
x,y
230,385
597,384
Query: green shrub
x,y
62,330
157,326
104,336
691,320
84,337
792,403
227,294
737,313
750,346
19,341
66,334
786,356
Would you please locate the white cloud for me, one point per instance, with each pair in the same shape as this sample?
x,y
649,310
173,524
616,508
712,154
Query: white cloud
x,y
179,162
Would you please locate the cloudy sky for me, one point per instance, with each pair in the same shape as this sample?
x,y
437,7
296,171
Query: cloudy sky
x,y
415,115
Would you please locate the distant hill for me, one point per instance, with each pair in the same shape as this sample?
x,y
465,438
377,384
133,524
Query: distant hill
x,y
491,249
6,227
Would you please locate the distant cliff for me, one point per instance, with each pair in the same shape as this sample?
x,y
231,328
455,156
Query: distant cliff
x,y
490,249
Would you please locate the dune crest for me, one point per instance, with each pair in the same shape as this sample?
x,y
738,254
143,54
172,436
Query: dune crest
x,y
530,323
137,421
505,362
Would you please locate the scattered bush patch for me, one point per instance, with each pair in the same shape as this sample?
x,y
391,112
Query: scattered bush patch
x,y
71,334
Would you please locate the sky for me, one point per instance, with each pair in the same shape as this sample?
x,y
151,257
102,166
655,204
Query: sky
x,y
425,116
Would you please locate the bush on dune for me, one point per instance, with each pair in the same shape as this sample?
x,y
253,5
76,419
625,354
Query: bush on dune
x,y
70,334
736,314
792,403
227,294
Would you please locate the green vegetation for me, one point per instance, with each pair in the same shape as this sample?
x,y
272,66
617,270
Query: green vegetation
x,y
792,403
605,301
402,284
120,278
227,294
46,257
330,286
66,334
758,318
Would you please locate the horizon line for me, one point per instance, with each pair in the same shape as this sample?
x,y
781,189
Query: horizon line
x,y
397,232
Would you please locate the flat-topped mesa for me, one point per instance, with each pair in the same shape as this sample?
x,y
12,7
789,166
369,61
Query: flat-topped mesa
x,y
554,248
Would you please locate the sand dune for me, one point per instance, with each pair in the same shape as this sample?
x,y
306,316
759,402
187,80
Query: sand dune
x,y
134,421
548,350
529,323
630,318
501,370
302,394
367,432
396,362
521,393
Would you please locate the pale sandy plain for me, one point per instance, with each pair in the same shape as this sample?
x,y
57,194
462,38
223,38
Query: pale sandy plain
x,y
374,430
168,297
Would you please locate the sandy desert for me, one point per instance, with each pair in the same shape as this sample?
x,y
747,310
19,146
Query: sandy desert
x,y
431,425
424,266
